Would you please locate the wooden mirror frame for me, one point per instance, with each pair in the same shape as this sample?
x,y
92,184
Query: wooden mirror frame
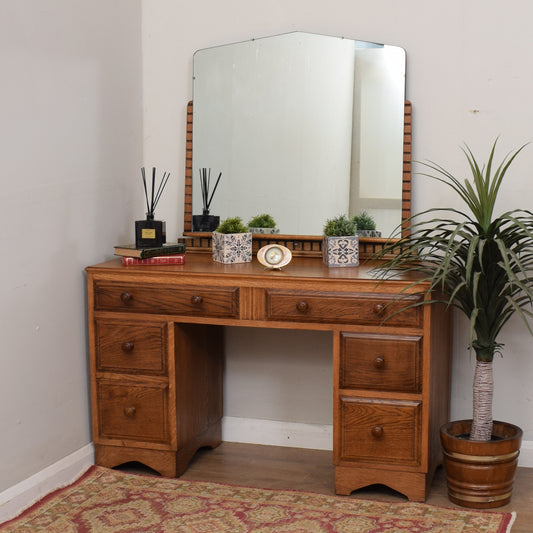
x,y
300,245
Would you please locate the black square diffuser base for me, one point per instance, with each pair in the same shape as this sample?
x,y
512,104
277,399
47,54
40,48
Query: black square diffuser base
x,y
149,233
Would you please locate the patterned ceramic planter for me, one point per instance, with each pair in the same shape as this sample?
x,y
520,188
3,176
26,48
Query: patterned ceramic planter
x,y
232,247
368,233
266,231
341,251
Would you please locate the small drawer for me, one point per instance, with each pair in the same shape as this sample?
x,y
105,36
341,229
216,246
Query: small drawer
x,y
200,301
380,431
131,348
382,362
133,411
344,308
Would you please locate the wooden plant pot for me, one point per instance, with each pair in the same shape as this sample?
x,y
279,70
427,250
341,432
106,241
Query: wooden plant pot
x,y
480,474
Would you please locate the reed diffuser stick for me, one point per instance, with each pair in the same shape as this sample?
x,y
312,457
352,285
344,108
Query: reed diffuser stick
x,y
205,184
145,190
214,189
152,201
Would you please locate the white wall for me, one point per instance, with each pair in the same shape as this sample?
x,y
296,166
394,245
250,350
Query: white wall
x,y
71,148
468,79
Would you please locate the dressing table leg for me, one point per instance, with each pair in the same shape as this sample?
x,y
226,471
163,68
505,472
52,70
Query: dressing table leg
x,y
414,485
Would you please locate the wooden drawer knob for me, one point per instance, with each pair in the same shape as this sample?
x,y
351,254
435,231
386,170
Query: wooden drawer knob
x,y
377,432
378,309
129,411
126,297
302,306
196,299
128,346
379,362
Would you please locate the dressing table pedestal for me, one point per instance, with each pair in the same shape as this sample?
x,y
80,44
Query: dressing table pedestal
x,y
156,343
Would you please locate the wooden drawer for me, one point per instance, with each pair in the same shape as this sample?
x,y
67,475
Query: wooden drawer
x,y
380,362
344,308
379,431
160,299
131,347
132,411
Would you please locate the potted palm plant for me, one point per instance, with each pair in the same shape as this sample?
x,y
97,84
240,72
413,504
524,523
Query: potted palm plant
x,y
481,264
340,245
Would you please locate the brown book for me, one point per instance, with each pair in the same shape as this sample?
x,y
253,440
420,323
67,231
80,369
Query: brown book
x,y
176,259
129,250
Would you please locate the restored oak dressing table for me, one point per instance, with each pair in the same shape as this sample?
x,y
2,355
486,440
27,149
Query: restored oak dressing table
x,y
156,341
157,351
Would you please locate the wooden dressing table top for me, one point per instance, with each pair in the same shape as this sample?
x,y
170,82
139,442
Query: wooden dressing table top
x,y
301,268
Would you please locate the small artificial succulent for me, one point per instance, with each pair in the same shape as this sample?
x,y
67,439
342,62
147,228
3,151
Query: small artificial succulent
x,y
232,225
262,221
340,226
364,221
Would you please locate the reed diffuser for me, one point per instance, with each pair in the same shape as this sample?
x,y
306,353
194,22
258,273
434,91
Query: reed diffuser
x,y
206,221
151,233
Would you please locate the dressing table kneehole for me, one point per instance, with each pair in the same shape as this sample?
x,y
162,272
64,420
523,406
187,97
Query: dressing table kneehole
x,y
157,354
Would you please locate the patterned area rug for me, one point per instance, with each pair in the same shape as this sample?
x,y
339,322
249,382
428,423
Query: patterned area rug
x,y
109,501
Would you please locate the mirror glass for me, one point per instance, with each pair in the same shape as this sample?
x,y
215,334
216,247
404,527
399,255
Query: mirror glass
x,y
304,127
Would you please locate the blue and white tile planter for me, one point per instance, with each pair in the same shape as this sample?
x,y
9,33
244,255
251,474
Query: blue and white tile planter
x,y
368,233
265,231
232,247
341,251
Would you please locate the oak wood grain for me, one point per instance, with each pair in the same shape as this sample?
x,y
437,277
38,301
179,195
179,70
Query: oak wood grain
x,y
391,366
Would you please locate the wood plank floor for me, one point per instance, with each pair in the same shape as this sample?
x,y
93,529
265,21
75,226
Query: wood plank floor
x,y
300,469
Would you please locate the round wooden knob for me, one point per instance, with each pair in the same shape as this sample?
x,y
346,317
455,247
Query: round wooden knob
x,y
302,306
129,411
126,297
377,432
128,346
379,362
379,308
196,299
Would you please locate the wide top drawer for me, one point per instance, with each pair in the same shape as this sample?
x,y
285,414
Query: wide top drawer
x,y
342,307
163,299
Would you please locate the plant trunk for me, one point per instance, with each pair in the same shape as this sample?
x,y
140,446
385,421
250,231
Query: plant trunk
x,y
483,392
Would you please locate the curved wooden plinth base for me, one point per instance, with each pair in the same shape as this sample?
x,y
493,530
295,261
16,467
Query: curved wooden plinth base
x,y
414,485
168,463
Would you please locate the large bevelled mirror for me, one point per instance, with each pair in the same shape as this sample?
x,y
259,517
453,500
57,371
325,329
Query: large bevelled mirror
x,y
301,126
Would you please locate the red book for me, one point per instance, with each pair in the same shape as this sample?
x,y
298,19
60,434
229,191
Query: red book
x,y
175,259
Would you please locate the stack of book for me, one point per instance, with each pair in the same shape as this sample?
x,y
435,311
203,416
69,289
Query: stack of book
x,y
168,254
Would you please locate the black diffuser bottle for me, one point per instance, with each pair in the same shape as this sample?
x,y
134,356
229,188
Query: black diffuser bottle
x,y
206,222
151,233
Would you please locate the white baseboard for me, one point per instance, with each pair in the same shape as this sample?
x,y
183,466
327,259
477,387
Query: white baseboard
x,y
526,454
20,496
296,435
277,433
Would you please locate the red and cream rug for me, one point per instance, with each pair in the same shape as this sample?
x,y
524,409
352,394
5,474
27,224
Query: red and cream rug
x,y
109,501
